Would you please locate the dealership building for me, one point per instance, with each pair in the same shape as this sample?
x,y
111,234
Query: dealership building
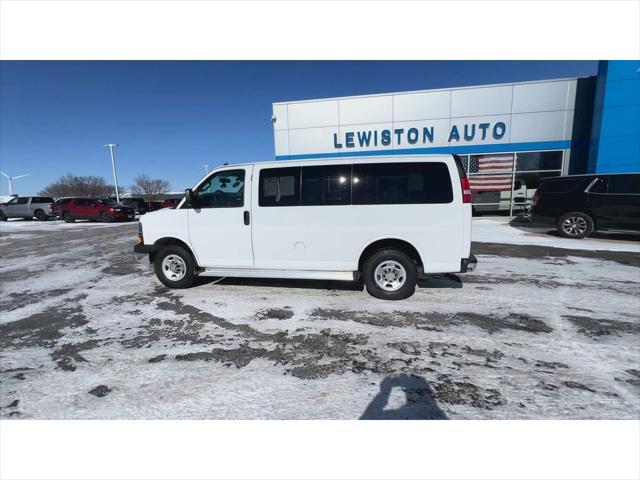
x,y
509,135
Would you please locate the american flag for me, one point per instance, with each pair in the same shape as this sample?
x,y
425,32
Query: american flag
x,y
493,168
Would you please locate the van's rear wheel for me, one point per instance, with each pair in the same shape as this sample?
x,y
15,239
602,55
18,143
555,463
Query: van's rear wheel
x,y
174,267
575,225
40,215
390,274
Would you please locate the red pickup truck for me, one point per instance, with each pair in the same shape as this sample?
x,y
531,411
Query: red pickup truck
x,y
71,209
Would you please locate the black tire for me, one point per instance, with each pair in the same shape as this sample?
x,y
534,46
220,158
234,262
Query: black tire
x,y
68,218
189,267
390,255
41,216
575,225
3,217
105,217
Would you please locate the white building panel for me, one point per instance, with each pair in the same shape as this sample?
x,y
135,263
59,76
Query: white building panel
x,y
535,113
361,135
282,120
439,128
481,101
281,140
540,97
532,127
313,114
482,130
572,87
361,110
422,106
306,141
568,124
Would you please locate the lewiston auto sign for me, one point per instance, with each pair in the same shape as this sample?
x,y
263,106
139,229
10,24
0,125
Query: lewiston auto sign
x,y
457,134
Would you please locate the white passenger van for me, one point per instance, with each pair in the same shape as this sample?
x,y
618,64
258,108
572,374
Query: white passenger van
x,y
386,220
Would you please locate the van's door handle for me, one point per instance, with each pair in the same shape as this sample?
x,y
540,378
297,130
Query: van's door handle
x,y
247,218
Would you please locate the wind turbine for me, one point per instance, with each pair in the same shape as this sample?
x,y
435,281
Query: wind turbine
x,y
11,180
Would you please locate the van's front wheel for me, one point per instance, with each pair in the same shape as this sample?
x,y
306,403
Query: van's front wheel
x,y
174,267
390,275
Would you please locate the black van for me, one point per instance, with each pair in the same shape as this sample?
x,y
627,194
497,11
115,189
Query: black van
x,y
579,204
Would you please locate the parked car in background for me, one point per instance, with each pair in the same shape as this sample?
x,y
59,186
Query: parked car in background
x,y
153,206
578,205
386,220
100,209
171,202
138,204
27,207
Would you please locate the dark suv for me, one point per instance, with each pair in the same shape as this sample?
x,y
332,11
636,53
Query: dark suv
x,y
138,204
579,204
81,208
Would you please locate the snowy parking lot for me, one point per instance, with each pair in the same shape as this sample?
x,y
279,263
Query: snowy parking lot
x,y
546,328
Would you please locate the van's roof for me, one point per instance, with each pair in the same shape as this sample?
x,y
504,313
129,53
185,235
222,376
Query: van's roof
x,y
356,159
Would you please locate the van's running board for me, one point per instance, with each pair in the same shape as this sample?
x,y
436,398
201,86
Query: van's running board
x,y
293,274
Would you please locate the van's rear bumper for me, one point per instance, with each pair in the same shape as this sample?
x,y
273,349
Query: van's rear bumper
x,y
141,252
468,264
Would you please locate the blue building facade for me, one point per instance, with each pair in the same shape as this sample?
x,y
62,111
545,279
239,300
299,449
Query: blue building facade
x,y
615,128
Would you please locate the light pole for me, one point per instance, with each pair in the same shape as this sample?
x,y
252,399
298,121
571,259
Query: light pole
x,y
206,168
110,146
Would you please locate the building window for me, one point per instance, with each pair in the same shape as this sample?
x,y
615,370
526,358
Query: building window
x,y
531,168
491,181
504,183
529,161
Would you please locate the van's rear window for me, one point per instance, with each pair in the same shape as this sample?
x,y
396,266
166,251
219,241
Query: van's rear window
x,y
401,183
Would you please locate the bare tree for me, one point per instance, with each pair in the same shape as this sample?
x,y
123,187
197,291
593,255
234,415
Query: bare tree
x,y
72,185
150,189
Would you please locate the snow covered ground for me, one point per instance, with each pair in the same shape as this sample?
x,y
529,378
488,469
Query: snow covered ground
x,y
498,230
85,332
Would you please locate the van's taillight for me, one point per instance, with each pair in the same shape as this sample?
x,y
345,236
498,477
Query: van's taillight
x,y
466,190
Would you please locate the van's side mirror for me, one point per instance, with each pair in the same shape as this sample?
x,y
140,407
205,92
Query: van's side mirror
x,y
190,198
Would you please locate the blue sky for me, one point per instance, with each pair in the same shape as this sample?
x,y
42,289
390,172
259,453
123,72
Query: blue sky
x,y
170,118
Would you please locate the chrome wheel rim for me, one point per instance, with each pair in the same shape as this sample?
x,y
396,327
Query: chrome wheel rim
x,y
574,226
390,275
174,267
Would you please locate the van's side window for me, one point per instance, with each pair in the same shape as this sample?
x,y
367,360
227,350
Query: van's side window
x,y
401,183
222,189
279,187
326,185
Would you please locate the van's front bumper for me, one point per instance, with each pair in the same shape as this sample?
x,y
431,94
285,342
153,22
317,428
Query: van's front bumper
x,y
468,264
141,253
